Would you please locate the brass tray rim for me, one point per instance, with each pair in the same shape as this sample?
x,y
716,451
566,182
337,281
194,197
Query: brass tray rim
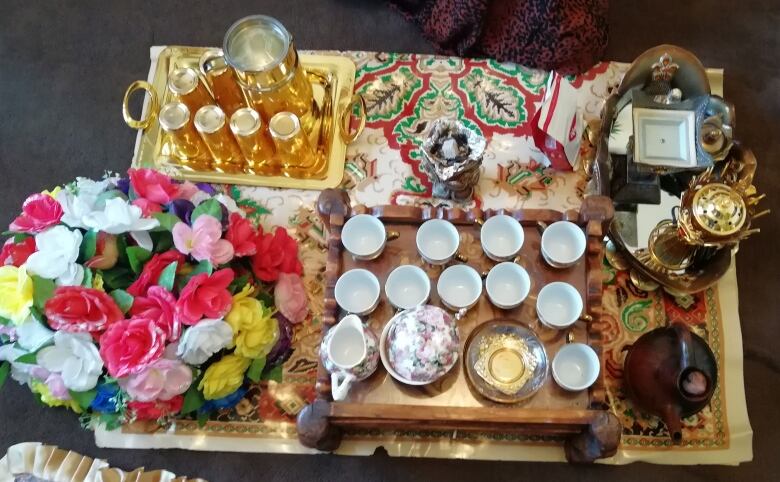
x,y
343,86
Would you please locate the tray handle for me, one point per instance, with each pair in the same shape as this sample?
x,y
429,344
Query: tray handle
x,y
154,105
347,135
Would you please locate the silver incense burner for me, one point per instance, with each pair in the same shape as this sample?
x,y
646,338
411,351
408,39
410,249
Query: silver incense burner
x,y
451,157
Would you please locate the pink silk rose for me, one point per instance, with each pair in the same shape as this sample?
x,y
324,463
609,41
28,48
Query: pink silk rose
x,y
39,212
153,186
188,190
205,297
162,380
203,240
241,235
159,305
130,346
290,297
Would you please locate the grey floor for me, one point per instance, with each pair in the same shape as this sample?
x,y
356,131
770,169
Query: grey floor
x,y
65,65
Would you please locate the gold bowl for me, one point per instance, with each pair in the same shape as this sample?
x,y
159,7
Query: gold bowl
x,y
505,361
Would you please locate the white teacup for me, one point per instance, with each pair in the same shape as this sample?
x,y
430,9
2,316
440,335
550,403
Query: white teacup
x,y
459,287
507,285
437,241
558,305
364,236
501,237
563,244
357,291
575,367
407,286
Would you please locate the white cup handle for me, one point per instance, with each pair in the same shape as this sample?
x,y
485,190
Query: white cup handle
x,y
339,384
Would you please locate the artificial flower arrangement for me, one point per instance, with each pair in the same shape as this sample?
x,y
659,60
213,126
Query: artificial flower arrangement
x,y
144,298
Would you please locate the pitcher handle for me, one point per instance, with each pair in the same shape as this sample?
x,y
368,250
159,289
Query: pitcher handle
x,y
347,135
339,384
154,105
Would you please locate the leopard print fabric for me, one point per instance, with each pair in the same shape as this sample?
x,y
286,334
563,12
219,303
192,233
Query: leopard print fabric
x,y
564,35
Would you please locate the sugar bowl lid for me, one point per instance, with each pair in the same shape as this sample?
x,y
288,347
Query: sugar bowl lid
x,y
420,345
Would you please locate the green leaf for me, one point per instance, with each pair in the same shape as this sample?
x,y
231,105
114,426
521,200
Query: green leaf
x,y
19,237
256,369
84,399
87,281
266,298
36,313
274,374
137,256
43,289
162,240
5,368
193,399
123,299
167,221
88,246
121,247
212,207
202,267
238,283
28,358
203,418
117,277
168,276
112,421
5,321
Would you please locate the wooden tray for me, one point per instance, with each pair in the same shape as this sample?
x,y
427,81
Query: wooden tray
x,y
451,403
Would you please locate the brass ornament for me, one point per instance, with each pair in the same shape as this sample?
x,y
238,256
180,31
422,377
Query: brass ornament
x,y
505,362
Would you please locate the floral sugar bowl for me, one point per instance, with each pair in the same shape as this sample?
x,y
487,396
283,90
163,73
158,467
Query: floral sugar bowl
x,y
420,345
349,353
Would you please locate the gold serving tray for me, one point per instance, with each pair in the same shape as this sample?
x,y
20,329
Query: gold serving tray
x,y
333,82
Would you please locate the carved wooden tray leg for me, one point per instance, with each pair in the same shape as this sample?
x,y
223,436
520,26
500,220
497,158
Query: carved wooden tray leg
x,y
598,441
314,428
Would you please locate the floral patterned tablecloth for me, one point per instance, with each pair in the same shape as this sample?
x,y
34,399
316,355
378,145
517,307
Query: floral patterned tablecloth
x,y
404,93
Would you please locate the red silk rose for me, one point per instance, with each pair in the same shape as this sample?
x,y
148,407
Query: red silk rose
x,y
147,207
16,254
153,186
242,235
129,346
158,305
152,270
156,409
205,296
276,253
39,212
77,309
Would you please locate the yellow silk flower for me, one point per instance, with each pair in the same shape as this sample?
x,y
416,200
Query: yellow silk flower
x,y
53,193
16,294
46,397
255,330
224,377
